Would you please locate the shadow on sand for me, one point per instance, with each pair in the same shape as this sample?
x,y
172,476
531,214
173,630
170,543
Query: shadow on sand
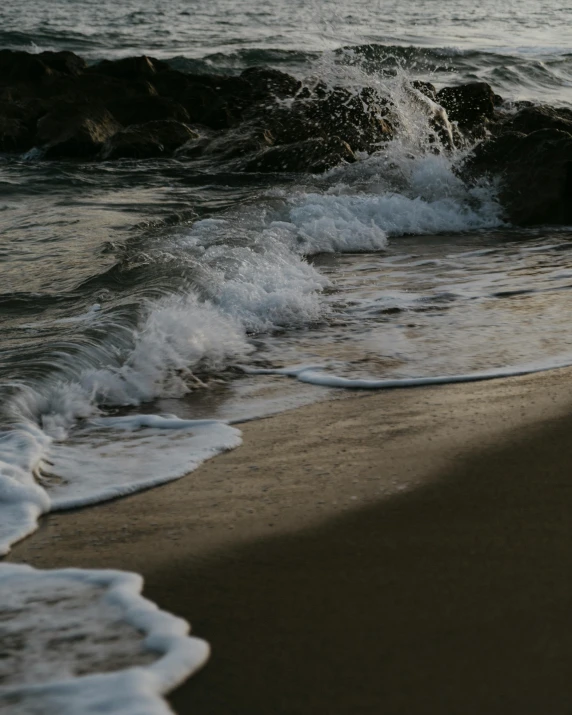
x,y
455,599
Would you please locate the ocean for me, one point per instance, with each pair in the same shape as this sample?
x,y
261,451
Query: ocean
x,y
148,307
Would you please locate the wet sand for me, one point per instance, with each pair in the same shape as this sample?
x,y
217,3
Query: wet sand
x,y
399,553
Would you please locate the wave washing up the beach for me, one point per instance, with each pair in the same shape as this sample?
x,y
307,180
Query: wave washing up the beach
x,y
186,229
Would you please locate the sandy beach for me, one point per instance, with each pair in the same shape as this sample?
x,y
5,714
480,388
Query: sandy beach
x,y
407,552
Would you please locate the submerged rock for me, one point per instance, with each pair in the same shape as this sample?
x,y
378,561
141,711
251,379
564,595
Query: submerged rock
x,y
232,144
149,140
18,124
313,155
75,132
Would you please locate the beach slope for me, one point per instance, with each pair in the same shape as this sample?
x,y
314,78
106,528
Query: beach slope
x,y
406,552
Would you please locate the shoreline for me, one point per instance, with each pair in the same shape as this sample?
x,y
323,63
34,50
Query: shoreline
x,y
402,551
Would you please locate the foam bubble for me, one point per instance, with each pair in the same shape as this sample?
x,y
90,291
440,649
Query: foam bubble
x,y
64,629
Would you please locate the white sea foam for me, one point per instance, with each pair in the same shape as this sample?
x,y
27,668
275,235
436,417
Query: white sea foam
x,y
180,335
363,222
329,224
63,630
177,337
100,459
22,500
317,375
79,458
115,456
263,283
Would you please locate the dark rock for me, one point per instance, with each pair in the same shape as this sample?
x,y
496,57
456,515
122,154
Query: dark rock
x,y
143,68
67,63
138,90
102,89
426,88
237,97
17,66
75,132
468,104
267,82
490,156
142,109
238,142
356,118
531,119
18,124
205,106
221,102
536,175
149,140
14,135
314,155
171,83
215,101
82,89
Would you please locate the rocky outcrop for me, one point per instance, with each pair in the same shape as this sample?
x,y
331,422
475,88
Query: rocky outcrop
x,y
248,115
266,82
18,125
265,120
21,67
529,153
426,88
55,102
